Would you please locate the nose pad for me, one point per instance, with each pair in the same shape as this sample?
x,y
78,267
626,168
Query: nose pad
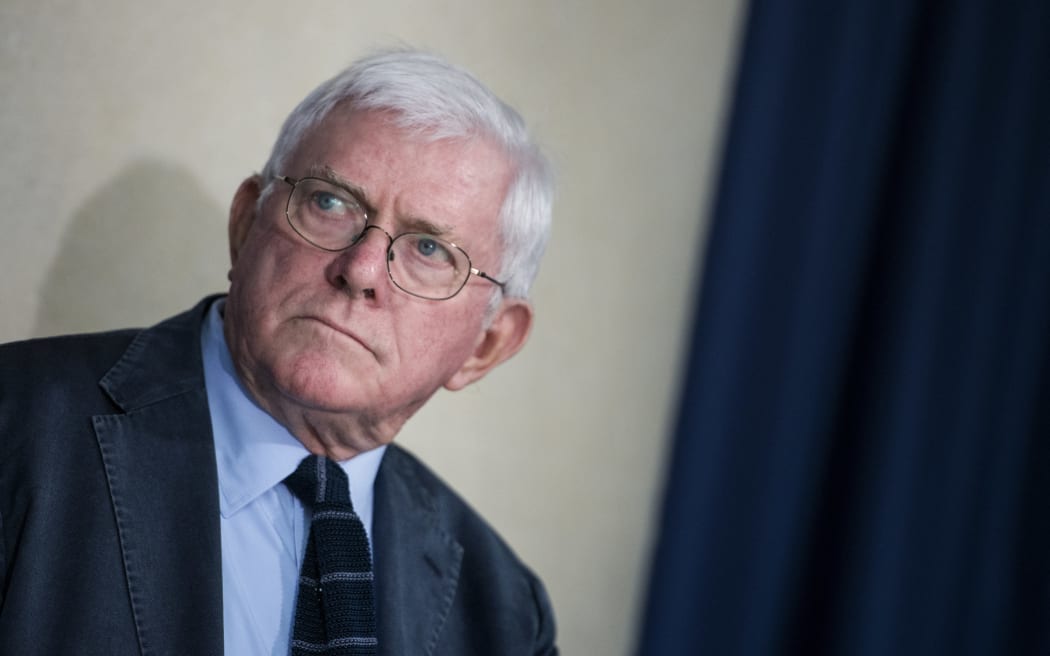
x,y
362,267
363,237
364,233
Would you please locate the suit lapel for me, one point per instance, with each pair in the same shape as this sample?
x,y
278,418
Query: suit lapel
x,y
159,460
417,562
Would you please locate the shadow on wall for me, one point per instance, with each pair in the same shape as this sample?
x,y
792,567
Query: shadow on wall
x,y
145,246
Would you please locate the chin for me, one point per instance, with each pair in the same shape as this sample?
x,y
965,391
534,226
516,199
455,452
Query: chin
x,y
316,380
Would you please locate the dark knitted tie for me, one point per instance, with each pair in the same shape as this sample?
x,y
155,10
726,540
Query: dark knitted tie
x,y
335,611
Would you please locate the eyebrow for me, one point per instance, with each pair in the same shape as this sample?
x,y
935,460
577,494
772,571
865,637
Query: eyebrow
x,y
408,223
326,172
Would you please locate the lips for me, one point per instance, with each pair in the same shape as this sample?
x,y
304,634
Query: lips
x,y
341,330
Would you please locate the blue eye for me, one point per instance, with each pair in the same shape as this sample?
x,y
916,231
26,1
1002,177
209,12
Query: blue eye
x,y
327,202
423,251
426,247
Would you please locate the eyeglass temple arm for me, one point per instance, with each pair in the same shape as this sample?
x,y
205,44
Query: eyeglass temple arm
x,y
481,274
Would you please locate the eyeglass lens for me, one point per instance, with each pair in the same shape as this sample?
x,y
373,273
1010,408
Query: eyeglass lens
x,y
330,217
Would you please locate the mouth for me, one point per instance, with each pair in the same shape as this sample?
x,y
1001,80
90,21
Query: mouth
x,y
340,330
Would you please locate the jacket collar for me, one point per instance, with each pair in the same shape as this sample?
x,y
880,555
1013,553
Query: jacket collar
x,y
417,561
169,530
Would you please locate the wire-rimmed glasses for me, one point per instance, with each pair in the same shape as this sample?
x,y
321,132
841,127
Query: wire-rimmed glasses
x,y
331,218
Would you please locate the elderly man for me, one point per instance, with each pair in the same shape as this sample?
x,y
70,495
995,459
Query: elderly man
x,y
225,481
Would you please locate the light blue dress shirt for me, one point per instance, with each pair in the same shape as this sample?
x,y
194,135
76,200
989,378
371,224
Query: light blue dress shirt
x,y
264,527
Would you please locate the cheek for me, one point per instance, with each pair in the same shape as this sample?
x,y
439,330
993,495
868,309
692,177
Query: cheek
x,y
443,339
268,268
266,286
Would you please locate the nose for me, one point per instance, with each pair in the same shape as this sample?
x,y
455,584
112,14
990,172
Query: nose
x,y
360,270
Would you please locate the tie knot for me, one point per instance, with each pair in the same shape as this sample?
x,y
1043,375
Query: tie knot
x,y
319,480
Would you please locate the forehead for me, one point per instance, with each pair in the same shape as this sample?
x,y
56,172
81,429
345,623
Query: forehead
x,y
403,175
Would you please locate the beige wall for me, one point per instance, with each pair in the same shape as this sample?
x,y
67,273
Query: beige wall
x,y
125,128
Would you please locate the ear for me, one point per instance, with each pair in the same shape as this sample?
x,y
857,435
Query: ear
x,y
504,337
242,214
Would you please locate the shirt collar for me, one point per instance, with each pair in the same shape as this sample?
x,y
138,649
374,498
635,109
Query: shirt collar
x,y
253,452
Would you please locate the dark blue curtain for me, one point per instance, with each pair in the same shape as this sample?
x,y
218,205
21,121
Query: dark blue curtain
x,y
862,457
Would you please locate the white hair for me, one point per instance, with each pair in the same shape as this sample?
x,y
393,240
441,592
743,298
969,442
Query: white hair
x,y
437,100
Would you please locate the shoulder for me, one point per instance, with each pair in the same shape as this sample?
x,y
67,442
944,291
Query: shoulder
x,y
48,357
494,582
50,366
53,385
455,515
49,385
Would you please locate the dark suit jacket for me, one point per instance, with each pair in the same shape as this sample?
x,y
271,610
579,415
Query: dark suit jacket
x,y
110,520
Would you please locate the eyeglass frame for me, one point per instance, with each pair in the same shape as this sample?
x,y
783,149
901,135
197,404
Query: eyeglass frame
x,y
471,270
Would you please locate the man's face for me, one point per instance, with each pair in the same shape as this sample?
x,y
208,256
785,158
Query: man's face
x,y
322,332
